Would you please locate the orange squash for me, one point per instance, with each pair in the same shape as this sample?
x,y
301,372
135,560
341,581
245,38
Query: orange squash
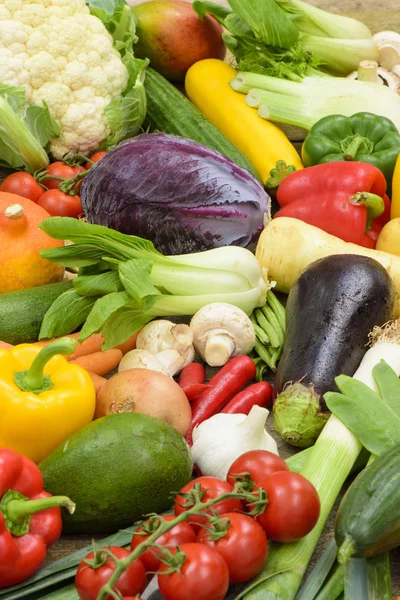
x,y
21,240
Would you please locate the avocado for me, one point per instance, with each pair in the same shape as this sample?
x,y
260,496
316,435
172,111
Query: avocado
x,y
117,469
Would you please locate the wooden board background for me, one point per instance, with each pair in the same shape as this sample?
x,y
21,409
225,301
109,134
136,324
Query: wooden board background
x,y
378,16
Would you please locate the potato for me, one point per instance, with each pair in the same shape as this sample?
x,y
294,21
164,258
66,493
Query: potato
x,y
147,392
173,37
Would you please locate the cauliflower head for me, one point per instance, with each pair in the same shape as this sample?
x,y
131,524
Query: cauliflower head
x,y
63,55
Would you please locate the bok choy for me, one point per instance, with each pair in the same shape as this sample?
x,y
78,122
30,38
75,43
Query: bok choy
x,y
124,282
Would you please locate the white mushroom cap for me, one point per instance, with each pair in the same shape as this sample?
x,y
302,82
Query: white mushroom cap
x,y
162,334
385,37
221,331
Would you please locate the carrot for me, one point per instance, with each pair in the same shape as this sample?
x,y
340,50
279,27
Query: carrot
x,y
97,381
5,345
99,363
92,344
130,344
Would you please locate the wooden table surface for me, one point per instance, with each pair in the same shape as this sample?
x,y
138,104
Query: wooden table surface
x,y
368,11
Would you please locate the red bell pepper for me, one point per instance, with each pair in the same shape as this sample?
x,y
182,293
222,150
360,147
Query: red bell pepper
x,y
30,518
346,199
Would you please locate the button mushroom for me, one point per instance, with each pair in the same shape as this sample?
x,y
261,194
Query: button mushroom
x,y
221,331
370,71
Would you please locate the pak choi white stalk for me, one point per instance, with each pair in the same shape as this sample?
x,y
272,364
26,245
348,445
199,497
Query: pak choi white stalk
x,y
219,440
328,466
304,103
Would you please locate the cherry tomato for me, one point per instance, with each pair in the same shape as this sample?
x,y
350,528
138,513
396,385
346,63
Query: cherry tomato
x,y
293,506
244,548
60,169
95,158
258,463
23,184
204,575
89,581
180,534
59,204
213,487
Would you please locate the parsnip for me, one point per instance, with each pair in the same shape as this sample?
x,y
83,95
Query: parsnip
x,y
287,246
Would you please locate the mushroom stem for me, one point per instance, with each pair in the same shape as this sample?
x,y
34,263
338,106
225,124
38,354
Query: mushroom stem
x,y
368,71
220,346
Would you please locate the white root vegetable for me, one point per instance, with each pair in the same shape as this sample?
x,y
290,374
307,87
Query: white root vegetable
x,y
172,343
221,331
221,439
141,359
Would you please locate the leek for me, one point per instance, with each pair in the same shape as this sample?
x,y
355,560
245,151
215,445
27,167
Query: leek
x,y
304,103
328,466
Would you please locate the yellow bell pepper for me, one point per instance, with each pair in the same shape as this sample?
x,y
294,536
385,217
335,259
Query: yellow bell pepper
x,y
43,398
264,144
389,237
395,208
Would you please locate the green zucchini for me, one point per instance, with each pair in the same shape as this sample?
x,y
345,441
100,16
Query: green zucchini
x,y
368,519
22,312
169,111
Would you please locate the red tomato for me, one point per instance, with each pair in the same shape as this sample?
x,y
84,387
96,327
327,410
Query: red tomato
x,y
204,575
60,169
89,581
59,204
293,506
213,487
23,184
95,158
180,534
244,548
258,463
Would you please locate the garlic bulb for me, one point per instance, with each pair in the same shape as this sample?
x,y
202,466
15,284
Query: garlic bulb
x,y
221,439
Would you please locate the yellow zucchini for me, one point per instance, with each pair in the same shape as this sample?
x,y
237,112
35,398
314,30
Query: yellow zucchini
x,y
287,246
395,206
264,144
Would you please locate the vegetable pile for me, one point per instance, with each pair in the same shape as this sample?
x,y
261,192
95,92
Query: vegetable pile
x,y
199,322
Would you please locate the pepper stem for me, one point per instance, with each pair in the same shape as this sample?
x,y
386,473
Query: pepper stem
x,y
34,380
17,509
353,147
372,202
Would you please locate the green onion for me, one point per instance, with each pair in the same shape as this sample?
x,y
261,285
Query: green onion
x,y
314,582
379,577
335,585
355,579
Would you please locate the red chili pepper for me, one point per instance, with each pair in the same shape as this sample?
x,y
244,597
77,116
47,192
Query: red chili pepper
x,y
191,380
30,518
345,199
259,394
225,384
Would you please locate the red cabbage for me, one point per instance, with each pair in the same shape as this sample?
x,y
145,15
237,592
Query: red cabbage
x,y
177,193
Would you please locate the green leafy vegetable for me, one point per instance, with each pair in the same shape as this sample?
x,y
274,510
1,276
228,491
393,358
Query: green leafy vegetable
x,y
66,314
102,310
135,277
98,285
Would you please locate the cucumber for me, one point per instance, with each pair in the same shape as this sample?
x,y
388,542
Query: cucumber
x,y
169,111
22,312
368,519
117,469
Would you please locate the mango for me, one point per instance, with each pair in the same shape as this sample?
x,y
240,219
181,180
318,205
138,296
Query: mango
x,y
173,37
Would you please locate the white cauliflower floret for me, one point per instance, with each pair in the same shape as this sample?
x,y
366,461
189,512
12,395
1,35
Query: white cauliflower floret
x,y
63,55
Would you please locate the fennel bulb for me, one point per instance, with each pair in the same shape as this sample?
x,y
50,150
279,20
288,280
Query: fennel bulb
x,y
304,103
221,439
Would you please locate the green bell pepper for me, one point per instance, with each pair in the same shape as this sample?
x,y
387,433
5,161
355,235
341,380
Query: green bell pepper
x,y
364,137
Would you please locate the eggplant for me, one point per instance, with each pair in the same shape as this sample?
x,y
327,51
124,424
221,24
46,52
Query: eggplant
x,y
330,312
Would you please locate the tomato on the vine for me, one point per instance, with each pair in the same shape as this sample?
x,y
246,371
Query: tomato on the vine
x,y
60,204
293,506
213,487
180,534
23,184
94,158
60,169
258,463
90,577
203,575
244,548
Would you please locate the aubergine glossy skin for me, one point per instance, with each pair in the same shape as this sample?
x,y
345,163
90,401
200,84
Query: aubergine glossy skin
x,y
368,519
330,311
177,193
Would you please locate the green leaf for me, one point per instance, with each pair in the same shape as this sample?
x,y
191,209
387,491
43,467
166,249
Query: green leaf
x,y
236,26
210,8
126,113
14,95
109,6
388,385
364,412
119,20
135,277
66,314
73,255
123,323
98,285
101,311
41,124
269,23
